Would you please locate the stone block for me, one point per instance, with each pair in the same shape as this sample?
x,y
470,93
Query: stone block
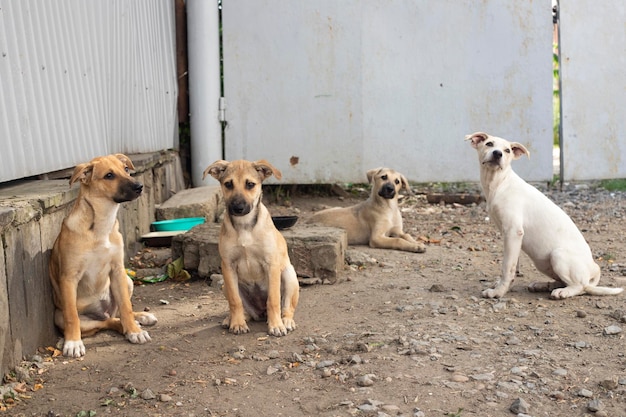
x,y
204,202
314,251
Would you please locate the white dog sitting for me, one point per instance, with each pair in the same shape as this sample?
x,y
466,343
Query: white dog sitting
x,y
529,221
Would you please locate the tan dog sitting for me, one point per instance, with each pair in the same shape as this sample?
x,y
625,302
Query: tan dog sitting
x,y
259,280
530,222
91,289
377,221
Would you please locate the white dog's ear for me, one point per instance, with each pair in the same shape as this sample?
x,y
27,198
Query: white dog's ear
x,y
477,138
519,150
265,169
216,169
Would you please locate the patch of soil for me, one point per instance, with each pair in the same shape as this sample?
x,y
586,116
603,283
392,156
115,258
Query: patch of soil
x,y
405,335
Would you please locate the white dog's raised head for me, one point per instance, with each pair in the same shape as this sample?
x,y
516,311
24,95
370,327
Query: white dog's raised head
x,y
495,152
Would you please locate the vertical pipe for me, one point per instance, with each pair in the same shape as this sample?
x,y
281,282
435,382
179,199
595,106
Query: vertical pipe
x,y
558,37
204,85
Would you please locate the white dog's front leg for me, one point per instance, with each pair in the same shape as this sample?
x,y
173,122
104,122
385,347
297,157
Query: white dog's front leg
x,y
512,248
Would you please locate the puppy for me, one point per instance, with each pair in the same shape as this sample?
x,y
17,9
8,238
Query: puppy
x,y
529,221
259,280
376,221
90,287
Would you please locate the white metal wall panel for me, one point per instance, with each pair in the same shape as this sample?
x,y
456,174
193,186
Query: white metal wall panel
x,y
327,90
81,78
593,64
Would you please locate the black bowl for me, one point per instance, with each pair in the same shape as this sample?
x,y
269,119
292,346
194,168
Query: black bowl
x,y
284,222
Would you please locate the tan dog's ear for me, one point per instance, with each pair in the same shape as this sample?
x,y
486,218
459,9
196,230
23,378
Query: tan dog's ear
x,y
82,172
370,174
519,150
265,169
125,160
216,169
405,184
477,138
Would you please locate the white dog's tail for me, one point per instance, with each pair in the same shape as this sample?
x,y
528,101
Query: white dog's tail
x,y
592,290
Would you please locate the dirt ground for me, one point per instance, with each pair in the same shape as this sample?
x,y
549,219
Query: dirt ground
x,y
402,335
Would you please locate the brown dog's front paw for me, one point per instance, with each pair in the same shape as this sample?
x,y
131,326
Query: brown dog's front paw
x,y
73,348
290,324
139,337
278,331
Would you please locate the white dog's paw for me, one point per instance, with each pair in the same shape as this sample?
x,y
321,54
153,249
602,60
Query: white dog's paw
x,y
73,348
492,293
141,337
146,319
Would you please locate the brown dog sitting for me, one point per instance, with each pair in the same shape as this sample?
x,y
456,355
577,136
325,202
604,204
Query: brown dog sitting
x,y
376,221
259,279
91,288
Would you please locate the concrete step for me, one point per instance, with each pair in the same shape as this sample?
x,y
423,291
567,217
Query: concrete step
x,y
315,251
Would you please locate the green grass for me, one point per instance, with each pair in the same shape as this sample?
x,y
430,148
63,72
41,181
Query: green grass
x,y
618,184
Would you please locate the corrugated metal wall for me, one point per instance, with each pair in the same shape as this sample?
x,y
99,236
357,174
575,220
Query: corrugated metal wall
x,y
81,78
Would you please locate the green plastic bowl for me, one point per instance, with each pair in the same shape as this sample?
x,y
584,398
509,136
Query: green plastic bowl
x,y
173,225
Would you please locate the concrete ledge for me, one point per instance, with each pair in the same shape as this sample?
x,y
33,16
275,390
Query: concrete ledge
x,y
204,202
31,213
314,251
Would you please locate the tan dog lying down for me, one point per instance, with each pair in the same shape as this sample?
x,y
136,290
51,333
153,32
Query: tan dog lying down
x,y
259,280
530,221
376,221
91,289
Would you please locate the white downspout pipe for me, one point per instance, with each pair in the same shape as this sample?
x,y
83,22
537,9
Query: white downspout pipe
x,y
204,86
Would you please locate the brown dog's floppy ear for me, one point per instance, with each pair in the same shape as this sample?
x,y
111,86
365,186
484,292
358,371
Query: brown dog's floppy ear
x,y
82,172
370,174
216,169
477,138
125,160
519,150
265,169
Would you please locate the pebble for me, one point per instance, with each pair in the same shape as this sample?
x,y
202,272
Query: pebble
x,y
595,405
581,314
560,372
585,393
459,378
365,380
147,394
520,406
165,398
611,330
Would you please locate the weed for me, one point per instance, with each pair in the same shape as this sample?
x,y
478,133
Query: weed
x,y
618,184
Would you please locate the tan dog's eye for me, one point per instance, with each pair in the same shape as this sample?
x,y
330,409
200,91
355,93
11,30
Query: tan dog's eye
x,y
126,169
249,185
490,144
397,181
229,184
384,177
109,176
507,150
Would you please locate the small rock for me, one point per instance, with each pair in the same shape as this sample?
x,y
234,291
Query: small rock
x,y
459,378
520,406
609,384
324,364
581,314
437,288
147,394
595,405
585,393
611,330
365,381
559,372
165,398
482,377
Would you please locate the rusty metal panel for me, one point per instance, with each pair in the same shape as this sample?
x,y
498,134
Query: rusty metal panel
x,y
81,78
326,90
593,49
